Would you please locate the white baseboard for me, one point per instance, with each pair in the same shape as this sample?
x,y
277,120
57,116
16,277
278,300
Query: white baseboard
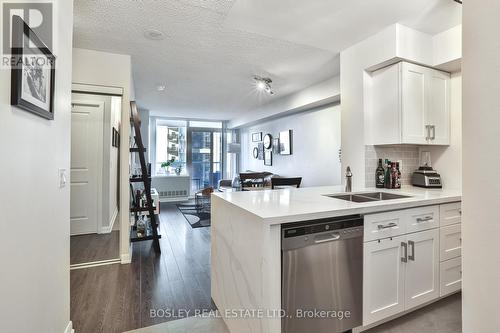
x,y
69,328
109,228
126,258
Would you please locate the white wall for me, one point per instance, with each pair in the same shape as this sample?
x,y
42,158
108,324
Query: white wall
x,y
316,141
481,171
34,277
113,70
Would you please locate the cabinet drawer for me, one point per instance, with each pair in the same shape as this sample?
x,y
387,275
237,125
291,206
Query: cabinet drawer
x,y
450,276
384,225
450,240
421,218
450,213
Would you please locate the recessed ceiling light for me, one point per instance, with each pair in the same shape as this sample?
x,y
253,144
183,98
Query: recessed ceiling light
x,y
154,34
161,87
263,84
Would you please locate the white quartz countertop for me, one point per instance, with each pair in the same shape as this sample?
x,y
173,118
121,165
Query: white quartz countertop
x,y
292,205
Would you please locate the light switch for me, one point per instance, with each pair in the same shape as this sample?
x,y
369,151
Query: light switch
x,y
62,178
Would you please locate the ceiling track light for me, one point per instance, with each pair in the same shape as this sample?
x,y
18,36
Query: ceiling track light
x,y
263,84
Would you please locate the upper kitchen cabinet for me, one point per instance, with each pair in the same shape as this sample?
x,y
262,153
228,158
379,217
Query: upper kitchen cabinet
x,y
407,104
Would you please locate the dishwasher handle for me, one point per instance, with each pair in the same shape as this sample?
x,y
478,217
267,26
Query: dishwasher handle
x,y
327,238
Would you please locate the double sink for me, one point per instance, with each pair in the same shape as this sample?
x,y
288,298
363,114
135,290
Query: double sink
x,y
367,197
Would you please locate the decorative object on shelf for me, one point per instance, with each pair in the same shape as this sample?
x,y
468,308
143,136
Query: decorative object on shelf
x,y
286,142
167,164
268,141
257,137
268,158
33,76
178,170
261,150
255,153
276,145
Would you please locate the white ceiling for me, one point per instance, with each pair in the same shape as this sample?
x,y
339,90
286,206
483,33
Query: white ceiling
x,y
214,47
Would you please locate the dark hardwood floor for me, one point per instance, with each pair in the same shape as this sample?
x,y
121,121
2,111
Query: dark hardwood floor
x,y
118,298
94,247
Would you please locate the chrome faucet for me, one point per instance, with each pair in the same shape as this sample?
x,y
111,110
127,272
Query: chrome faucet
x,y
348,180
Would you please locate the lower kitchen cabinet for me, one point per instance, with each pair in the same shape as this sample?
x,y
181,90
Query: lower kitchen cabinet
x,y
450,276
422,268
383,278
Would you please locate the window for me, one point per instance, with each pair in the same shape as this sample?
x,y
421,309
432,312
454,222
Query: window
x,y
170,144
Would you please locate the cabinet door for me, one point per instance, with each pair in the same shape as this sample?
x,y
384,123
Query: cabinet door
x,y
438,107
413,115
422,269
450,242
383,278
450,276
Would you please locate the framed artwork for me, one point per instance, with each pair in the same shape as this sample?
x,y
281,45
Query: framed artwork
x,y
286,142
268,158
276,145
255,153
261,150
33,78
257,137
268,141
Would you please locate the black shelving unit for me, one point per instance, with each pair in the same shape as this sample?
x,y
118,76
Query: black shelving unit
x,y
145,178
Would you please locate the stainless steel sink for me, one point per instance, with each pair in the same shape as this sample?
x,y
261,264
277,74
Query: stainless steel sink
x,y
367,197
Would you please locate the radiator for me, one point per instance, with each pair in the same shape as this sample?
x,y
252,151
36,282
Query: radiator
x,y
172,187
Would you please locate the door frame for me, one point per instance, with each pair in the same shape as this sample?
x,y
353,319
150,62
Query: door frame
x,y
189,150
100,138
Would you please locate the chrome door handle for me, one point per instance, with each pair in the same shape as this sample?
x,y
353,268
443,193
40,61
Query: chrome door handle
x,y
411,256
433,127
390,225
405,248
424,219
329,238
428,129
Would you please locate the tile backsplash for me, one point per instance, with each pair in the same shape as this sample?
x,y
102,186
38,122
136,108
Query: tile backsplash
x,y
409,155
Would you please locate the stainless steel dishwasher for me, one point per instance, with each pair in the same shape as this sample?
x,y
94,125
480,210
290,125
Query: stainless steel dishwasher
x,y
322,275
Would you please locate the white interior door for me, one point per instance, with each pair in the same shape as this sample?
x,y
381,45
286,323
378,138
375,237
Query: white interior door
x,y
86,166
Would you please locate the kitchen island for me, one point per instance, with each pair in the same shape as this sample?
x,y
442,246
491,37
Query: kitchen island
x,y
246,244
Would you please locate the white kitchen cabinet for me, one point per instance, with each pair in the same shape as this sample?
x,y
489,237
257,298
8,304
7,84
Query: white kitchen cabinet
x,y
450,242
384,225
422,268
450,276
421,218
408,104
383,278
450,213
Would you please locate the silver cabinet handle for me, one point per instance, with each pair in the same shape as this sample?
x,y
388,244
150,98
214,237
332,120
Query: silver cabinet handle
x,y
433,127
411,245
424,219
404,246
389,225
328,238
428,129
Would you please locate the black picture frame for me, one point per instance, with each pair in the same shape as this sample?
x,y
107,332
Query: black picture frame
x,y
115,139
257,137
260,146
22,35
286,145
268,158
268,141
255,153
